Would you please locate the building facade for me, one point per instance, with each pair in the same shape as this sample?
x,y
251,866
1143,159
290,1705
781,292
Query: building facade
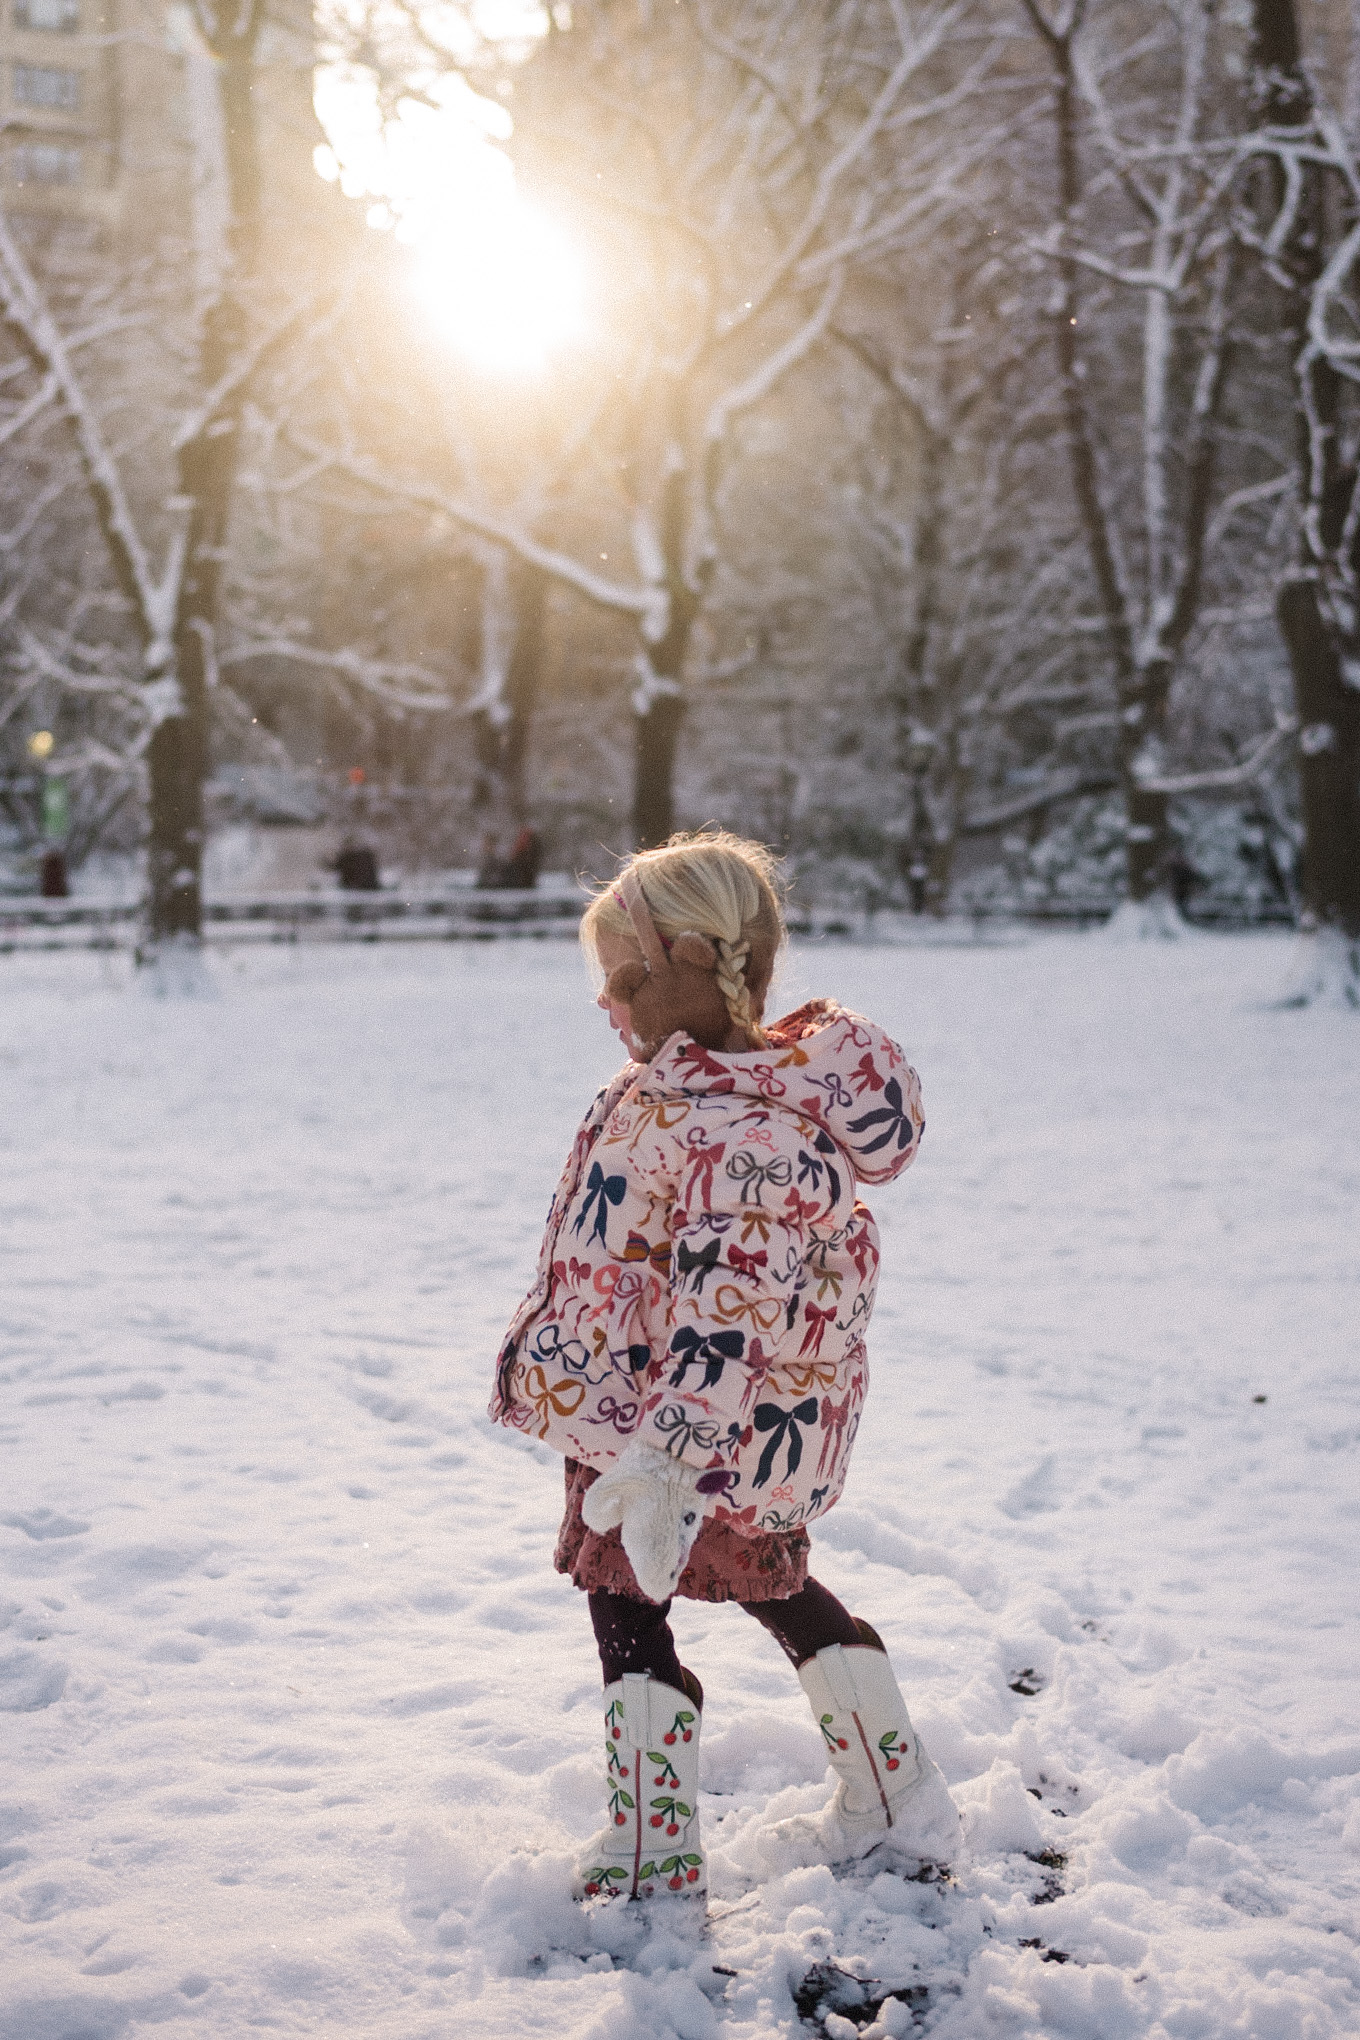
x,y
100,151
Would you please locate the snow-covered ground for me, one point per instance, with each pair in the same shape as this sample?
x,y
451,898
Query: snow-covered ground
x,y
301,1726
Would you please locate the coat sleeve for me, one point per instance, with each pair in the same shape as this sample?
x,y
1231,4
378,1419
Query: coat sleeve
x,y
501,1408
883,1133
740,1228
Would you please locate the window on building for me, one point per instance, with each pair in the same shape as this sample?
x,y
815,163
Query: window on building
x,y
62,15
46,163
37,85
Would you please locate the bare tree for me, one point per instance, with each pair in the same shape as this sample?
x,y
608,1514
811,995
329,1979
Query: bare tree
x,y
164,531
1146,155
1307,192
761,190
978,602
729,168
779,153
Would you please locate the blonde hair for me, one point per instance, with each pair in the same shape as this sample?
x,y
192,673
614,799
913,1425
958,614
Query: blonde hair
x,y
712,884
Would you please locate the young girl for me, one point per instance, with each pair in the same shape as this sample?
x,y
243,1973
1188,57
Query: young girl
x,y
694,1345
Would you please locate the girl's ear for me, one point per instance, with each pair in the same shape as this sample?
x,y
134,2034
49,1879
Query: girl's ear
x,y
694,949
623,984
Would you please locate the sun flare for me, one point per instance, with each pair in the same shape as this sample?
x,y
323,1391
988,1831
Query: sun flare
x,y
491,273
503,283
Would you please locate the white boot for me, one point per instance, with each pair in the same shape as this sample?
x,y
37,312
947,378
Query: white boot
x,y
651,1845
890,1792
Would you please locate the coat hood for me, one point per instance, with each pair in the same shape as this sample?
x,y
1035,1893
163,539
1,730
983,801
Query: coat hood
x,y
822,1060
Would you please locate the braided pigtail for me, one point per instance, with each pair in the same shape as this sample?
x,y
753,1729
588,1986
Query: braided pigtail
x,y
731,975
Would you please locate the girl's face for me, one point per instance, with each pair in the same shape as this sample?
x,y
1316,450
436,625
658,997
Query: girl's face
x,y
613,950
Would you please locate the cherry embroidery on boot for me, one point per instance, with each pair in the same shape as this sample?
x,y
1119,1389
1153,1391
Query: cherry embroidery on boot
x,y
681,1724
608,1880
618,1799
892,1747
833,1741
667,1775
668,1809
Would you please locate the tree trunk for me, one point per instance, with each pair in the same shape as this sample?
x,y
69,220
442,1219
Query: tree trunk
x,y
659,700
1329,759
1146,836
1147,824
1313,622
658,728
917,735
503,723
523,681
1142,700
178,753
177,768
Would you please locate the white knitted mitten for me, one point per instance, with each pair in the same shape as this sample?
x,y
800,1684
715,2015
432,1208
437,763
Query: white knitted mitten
x,y
656,1501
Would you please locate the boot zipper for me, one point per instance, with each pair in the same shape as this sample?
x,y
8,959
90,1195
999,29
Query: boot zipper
x,y
887,1810
637,1818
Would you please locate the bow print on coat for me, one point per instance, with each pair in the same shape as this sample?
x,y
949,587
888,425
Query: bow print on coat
x,y
900,1121
708,1273
698,1265
782,1424
711,1353
609,1190
753,1174
810,1166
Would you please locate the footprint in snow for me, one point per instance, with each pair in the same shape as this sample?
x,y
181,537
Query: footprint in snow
x,y
29,1681
1035,1494
42,1523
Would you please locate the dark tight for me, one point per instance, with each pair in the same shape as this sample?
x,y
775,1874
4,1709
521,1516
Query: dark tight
x,y
634,1636
806,1622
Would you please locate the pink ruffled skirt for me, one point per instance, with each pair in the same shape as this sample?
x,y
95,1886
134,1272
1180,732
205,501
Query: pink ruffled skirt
x,y
723,1566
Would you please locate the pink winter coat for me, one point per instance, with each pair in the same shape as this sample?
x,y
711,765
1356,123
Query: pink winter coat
x,y
708,1272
